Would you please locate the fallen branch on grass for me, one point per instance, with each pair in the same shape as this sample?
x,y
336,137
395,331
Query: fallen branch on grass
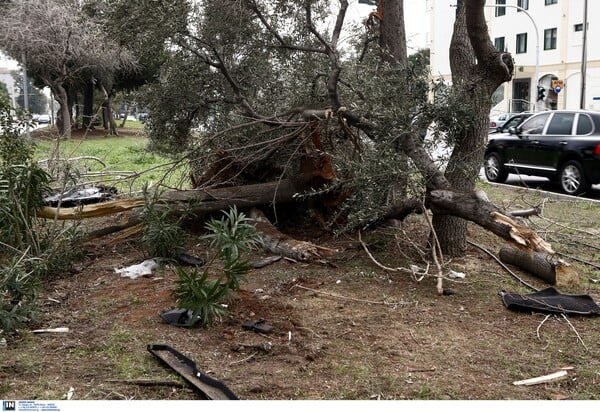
x,y
352,299
513,274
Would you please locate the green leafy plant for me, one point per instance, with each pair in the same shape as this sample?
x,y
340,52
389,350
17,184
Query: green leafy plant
x,y
232,235
18,296
30,248
162,236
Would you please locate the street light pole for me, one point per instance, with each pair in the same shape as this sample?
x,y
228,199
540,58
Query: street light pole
x,y
536,75
584,56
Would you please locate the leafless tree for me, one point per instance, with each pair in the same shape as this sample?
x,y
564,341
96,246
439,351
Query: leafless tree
x,y
60,47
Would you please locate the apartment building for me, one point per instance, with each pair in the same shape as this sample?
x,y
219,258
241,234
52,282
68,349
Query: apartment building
x,y
545,38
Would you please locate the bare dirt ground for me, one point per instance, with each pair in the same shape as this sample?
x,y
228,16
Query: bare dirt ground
x,y
342,329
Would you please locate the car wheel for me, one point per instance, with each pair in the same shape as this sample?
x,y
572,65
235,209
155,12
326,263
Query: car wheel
x,y
572,180
494,171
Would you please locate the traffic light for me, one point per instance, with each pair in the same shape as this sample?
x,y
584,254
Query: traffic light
x,y
541,93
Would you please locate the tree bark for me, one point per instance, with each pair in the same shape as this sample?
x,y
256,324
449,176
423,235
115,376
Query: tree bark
x,y
88,104
281,244
110,123
554,271
205,200
63,101
392,38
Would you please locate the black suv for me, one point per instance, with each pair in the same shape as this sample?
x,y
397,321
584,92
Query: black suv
x,y
561,145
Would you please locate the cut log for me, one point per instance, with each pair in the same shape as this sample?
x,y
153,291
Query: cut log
x,y
542,265
281,244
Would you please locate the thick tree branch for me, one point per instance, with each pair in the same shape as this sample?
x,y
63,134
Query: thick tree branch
x,y
251,4
491,61
339,23
336,69
471,207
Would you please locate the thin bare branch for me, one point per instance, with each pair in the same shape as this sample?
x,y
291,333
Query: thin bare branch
x,y
575,330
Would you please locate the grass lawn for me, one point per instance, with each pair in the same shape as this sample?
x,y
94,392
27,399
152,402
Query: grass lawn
x,y
121,161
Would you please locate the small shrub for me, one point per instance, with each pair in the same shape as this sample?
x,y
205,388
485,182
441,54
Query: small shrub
x,y
231,235
18,296
30,248
162,236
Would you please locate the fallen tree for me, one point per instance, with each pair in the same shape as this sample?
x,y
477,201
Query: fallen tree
x,y
323,139
200,202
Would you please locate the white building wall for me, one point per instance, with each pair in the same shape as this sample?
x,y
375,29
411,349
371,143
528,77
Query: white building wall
x,y
564,62
442,24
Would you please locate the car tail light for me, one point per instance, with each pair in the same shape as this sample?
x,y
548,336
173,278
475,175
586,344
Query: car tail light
x,y
597,150
493,124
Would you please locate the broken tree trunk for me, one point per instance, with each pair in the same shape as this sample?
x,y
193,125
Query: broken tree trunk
x,y
542,265
204,200
281,244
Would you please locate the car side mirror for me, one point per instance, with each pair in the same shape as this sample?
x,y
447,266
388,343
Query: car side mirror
x,y
514,130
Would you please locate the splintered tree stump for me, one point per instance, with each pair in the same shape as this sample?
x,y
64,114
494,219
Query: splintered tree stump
x,y
281,244
542,265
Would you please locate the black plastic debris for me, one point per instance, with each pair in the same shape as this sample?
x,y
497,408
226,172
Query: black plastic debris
x,y
258,326
189,260
81,196
208,387
551,300
177,317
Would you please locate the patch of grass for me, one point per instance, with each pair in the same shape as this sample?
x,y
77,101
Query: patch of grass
x,y
127,363
128,164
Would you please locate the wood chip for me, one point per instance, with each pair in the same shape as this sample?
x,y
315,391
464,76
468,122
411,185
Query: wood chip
x,y
543,379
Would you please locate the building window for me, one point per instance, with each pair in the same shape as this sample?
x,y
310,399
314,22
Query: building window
x,y
523,4
522,43
578,27
548,2
499,44
550,39
500,11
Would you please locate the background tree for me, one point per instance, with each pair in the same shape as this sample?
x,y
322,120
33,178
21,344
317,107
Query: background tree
x,y
143,31
60,47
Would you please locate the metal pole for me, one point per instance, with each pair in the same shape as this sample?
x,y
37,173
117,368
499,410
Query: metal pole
x,y
25,93
25,88
584,55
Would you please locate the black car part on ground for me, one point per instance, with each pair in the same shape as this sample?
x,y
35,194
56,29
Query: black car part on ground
x,y
552,301
208,388
81,196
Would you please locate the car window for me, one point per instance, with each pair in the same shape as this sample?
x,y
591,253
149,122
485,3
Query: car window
x,y
561,124
584,124
513,121
535,125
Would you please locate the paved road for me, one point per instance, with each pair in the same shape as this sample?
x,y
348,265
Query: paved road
x,y
542,184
